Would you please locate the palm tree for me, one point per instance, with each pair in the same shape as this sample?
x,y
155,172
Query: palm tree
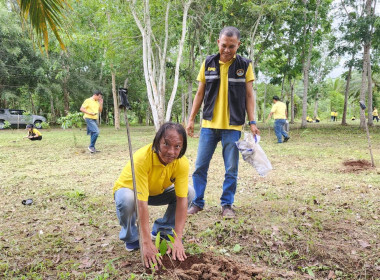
x,y
41,14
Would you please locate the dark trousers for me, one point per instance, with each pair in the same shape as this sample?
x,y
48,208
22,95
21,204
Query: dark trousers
x,y
36,138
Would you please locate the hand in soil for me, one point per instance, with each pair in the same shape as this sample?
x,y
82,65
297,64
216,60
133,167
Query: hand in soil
x,y
178,252
151,256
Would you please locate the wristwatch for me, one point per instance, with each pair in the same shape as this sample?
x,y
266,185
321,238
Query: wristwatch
x,y
251,122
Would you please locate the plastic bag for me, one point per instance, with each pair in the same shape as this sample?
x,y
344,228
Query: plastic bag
x,y
252,153
286,126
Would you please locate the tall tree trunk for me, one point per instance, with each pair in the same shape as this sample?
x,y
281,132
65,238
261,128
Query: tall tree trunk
x,y
32,103
370,94
265,102
52,109
115,100
66,93
306,66
282,87
153,59
344,117
366,58
179,57
315,114
292,101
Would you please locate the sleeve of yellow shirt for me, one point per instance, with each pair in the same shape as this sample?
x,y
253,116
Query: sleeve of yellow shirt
x,y
250,76
201,75
35,131
85,104
181,175
142,185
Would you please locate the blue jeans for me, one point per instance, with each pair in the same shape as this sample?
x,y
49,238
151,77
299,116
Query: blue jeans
x,y
279,129
125,211
93,130
208,140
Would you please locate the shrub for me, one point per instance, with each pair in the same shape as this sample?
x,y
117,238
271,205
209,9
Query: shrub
x,y
71,120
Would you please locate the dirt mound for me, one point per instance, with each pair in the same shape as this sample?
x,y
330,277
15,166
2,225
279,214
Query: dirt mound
x,y
208,267
356,165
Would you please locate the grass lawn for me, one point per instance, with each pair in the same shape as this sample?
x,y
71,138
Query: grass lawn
x,y
310,218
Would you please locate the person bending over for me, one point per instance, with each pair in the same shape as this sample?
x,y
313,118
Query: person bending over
x,y
161,171
33,133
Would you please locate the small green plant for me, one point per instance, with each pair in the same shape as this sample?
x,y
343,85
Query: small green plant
x,y
7,124
237,248
110,119
71,120
45,125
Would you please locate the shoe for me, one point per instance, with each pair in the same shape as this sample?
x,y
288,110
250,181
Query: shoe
x,y
194,209
286,139
96,150
91,149
227,212
132,246
153,236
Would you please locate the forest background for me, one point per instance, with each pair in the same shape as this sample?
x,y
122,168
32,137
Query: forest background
x,y
155,48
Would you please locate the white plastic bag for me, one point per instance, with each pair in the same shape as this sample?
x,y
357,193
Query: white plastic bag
x,y
286,126
252,153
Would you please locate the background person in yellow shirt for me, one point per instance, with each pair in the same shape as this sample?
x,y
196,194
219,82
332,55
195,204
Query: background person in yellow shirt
x,y
33,133
91,108
280,115
225,88
375,114
162,177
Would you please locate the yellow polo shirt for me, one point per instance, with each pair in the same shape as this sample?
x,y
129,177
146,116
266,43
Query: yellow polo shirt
x,y
221,114
152,177
279,110
36,132
91,106
375,113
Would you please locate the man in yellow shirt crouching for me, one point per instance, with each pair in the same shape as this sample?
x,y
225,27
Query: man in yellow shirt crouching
x,y
162,177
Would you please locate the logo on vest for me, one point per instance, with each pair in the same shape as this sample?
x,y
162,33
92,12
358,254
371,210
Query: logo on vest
x,y
211,69
240,72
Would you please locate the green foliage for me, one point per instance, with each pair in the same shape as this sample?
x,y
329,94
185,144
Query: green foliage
x,y
45,125
71,120
7,124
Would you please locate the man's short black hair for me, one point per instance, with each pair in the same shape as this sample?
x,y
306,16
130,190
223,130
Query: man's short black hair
x,y
162,131
230,31
98,92
276,98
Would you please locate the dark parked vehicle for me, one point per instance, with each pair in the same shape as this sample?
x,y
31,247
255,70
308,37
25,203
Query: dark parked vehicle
x,y
17,117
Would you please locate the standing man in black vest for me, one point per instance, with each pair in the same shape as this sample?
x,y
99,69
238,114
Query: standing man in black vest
x,y
225,87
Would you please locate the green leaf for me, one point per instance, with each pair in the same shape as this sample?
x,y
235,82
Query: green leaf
x,y
158,240
237,248
310,272
171,238
163,247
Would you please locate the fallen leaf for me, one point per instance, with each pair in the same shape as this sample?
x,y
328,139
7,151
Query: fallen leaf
x,y
86,263
79,238
58,259
364,244
331,275
124,264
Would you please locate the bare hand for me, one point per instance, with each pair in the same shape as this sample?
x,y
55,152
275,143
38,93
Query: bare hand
x,y
178,252
190,128
254,129
100,100
150,254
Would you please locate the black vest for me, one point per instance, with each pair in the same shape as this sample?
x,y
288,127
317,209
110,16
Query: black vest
x,y
236,88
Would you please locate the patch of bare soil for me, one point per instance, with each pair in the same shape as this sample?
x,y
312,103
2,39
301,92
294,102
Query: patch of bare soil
x,y
208,267
356,165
